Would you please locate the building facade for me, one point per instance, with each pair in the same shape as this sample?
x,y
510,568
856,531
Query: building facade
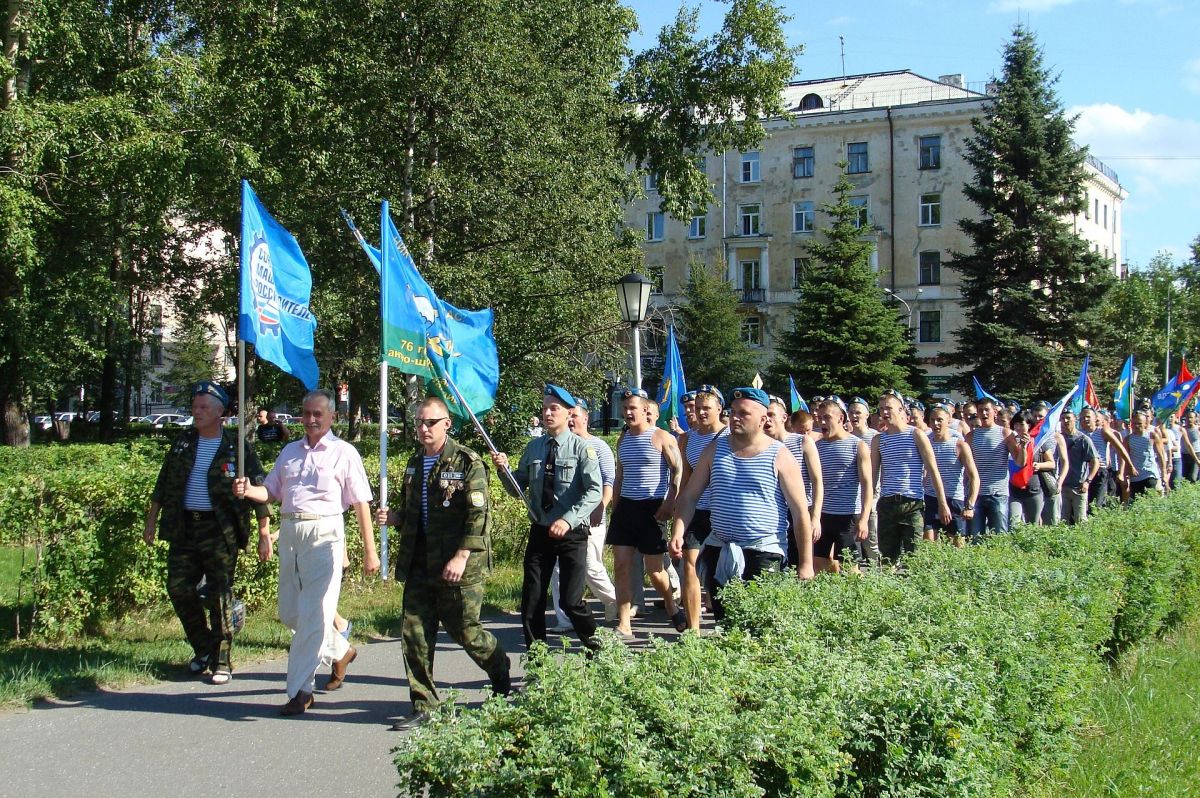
x,y
902,138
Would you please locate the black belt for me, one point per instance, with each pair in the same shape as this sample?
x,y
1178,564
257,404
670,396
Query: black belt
x,y
199,516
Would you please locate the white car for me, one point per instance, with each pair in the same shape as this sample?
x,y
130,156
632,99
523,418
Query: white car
x,y
184,422
286,418
44,422
160,420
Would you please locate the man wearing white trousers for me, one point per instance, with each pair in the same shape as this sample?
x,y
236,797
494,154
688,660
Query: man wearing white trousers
x,y
597,577
316,479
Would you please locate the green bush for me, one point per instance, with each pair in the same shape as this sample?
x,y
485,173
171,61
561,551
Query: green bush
x,y
966,676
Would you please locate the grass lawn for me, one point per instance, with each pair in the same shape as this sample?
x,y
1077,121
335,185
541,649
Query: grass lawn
x,y
150,647
1146,737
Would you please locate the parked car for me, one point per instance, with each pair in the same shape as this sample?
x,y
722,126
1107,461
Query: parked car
x,y
160,420
184,422
286,418
43,422
66,418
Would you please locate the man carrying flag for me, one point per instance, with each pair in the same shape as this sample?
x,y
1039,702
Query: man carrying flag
x,y
672,388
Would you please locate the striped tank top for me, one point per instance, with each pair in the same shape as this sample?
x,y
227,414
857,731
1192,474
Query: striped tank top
x,y
197,496
1101,444
945,453
745,509
991,460
1141,452
900,465
839,476
696,443
643,469
795,444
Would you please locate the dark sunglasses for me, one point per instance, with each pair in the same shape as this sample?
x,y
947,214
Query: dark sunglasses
x,y
429,422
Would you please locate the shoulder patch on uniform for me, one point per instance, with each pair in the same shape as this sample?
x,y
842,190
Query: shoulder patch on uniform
x,y
477,498
470,454
591,452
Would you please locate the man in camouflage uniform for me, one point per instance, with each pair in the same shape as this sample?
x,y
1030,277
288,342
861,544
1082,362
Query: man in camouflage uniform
x,y
442,557
194,510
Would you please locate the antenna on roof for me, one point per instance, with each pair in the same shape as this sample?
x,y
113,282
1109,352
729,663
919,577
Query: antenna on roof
x,y
842,40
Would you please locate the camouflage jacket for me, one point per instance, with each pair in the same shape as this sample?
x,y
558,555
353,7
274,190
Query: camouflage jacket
x,y
459,513
232,514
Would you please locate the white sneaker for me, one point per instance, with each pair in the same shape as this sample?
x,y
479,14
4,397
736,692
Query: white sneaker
x,y
561,628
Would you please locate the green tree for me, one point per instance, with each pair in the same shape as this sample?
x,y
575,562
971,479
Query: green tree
x,y
711,345
1031,287
192,359
844,339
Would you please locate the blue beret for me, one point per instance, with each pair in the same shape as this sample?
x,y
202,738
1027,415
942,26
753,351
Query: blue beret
x,y
583,403
858,400
690,396
629,393
561,394
753,394
211,389
711,390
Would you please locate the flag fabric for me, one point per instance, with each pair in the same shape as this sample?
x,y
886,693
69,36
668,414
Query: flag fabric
x,y
428,337
672,387
1089,395
796,400
276,285
1049,425
1123,395
1175,394
1183,370
1081,387
982,394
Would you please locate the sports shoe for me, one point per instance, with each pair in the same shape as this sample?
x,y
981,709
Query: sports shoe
x,y
346,632
198,664
220,676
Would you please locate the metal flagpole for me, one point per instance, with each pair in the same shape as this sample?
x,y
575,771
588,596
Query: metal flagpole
x,y
241,381
383,466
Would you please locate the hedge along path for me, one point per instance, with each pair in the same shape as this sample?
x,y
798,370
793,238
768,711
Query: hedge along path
x,y
83,506
967,677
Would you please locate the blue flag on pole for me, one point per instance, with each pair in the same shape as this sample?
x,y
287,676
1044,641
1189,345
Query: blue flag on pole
x,y
673,386
1049,425
276,285
796,400
418,325
1172,395
982,394
1081,387
1123,395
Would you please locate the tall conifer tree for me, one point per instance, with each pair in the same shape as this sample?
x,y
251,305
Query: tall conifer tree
x,y
710,329
1031,287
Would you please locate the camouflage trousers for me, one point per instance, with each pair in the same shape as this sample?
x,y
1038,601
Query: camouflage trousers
x,y
428,602
206,614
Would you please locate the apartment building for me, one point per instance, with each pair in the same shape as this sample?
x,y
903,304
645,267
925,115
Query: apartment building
x,y
902,137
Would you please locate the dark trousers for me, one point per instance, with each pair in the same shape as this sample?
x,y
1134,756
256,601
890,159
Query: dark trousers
x,y
757,562
570,552
900,524
1191,469
1098,489
1149,485
203,550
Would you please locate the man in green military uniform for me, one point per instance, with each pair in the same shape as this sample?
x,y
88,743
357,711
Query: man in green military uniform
x,y
193,509
442,557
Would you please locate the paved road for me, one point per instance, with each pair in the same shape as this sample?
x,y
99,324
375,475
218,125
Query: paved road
x,y
193,739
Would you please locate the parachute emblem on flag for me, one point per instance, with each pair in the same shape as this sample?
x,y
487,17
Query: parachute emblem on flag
x,y
441,344
262,285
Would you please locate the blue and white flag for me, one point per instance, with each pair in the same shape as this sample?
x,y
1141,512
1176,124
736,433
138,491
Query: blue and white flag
x,y
1081,387
982,394
276,286
1049,425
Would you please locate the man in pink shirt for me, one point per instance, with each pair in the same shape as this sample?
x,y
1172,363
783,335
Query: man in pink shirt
x,y
316,478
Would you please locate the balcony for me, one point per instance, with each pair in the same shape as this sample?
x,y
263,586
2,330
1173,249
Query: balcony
x,y
753,296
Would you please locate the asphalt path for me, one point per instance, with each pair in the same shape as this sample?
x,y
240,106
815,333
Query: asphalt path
x,y
190,738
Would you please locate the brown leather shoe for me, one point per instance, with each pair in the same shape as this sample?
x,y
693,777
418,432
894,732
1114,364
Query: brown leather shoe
x,y
339,670
297,705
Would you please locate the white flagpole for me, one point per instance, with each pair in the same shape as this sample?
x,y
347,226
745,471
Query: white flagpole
x,y
383,466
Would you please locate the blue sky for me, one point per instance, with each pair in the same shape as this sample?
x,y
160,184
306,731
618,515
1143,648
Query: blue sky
x,y
1129,68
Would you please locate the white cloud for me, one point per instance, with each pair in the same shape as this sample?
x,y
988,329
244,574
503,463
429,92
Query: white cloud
x,y
1146,149
1191,75
1025,6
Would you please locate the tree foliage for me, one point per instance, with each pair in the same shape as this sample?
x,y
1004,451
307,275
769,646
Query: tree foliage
x,y
844,339
1031,287
711,345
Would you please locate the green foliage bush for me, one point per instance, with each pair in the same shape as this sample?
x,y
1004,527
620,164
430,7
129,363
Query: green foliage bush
x,y
965,676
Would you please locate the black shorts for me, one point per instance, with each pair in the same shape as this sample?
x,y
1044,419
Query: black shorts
x,y
633,524
698,531
837,532
957,525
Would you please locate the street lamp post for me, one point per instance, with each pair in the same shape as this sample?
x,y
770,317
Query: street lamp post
x,y
633,298
900,299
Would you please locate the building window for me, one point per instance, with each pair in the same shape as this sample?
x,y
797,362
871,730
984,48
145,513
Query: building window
x,y
800,267
752,331
1096,214
930,331
1106,217
862,216
931,209
748,219
750,172
931,152
651,182
655,275
654,226
931,268
803,161
156,394
156,316
856,158
811,102
802,217
156,349
751,271
697,227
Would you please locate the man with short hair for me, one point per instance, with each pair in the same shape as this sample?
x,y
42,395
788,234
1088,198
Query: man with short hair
x,y
991,447
270,429
316,479
848,490
1148,454
858,412
746,469
1083,463
1052,471
205,524
1108,446
1190,441
649,467
561,472
443,555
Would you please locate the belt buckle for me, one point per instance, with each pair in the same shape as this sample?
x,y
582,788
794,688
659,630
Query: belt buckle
x,y
197,515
